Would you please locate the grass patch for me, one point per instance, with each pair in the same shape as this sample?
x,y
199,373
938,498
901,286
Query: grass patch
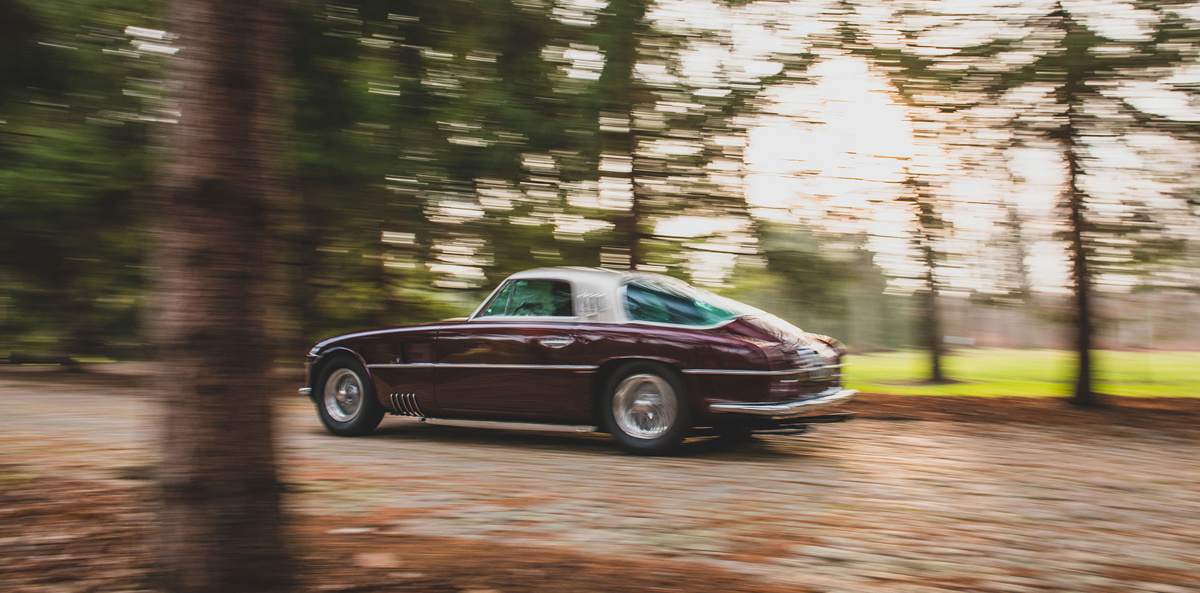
x,y
987,372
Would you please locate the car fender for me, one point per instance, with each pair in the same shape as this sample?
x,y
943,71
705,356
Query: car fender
x,y
318,366
606,368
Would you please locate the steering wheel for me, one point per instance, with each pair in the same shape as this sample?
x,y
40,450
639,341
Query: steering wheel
x,y
529,309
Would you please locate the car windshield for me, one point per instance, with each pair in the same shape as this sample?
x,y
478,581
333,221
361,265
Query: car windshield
x,y
532,298
678,303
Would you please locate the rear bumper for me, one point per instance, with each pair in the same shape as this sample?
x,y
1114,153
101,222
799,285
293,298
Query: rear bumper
x,y
834,396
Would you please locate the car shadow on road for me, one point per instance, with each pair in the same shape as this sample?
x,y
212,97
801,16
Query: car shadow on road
x,y
757,449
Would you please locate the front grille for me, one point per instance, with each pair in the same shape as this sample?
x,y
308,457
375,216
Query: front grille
x,y
814,373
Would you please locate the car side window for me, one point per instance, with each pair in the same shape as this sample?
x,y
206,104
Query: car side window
x,y
500,303
533,298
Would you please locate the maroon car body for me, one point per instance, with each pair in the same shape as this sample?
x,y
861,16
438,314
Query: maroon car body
x,y
644,357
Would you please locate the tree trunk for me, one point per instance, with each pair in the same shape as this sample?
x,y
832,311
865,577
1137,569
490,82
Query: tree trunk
x,y
220,522
928,223
1024,336
1081,281
933,326
621,26
1070,97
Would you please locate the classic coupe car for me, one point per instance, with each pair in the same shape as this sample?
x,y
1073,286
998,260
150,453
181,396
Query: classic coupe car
x,y
646,358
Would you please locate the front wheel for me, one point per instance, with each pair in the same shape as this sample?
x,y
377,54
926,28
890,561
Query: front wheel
x,y
645,409
346,403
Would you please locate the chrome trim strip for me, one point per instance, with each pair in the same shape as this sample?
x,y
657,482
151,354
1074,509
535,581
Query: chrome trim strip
x,y
829,398
305,391
576,428
752,372
466,365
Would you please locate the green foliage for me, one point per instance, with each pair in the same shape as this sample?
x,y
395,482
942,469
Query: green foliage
x,y
73,163
824,284
430,108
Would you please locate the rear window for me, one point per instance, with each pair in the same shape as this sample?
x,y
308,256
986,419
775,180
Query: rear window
x,y
679,304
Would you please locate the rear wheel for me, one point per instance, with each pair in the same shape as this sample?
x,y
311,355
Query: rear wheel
x,y
645,409
346,401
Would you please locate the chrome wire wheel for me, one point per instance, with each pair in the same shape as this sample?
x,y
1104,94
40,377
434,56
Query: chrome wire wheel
x,y
644,406
343,395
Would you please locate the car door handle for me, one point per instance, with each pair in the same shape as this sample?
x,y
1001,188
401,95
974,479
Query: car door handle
x,y
555,342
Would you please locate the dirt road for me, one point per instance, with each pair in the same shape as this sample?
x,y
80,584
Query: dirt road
x,y
871,505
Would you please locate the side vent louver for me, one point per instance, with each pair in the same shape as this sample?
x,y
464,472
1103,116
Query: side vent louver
x,y
405,404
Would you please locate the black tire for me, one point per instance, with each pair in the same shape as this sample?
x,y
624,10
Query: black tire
x,y
645,408
346,399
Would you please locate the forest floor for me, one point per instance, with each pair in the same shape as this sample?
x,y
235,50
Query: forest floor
x,y
919,494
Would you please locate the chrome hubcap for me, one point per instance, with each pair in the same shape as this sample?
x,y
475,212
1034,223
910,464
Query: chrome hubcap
x,y
644,406
343,395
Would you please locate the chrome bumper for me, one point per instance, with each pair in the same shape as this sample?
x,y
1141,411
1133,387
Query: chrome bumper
x,y
834,396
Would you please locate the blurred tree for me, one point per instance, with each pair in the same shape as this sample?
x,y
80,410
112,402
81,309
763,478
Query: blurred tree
x,y
929,228
443,160
671,115
1074,67
344,132
894,45
807,278
439,146
505,154
74,105
622,29
1080,72
220,524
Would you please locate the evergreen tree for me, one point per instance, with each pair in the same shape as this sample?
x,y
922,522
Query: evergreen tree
x,y
1077,70
76,93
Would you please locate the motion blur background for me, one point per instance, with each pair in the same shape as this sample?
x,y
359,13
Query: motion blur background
x,y
856,167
